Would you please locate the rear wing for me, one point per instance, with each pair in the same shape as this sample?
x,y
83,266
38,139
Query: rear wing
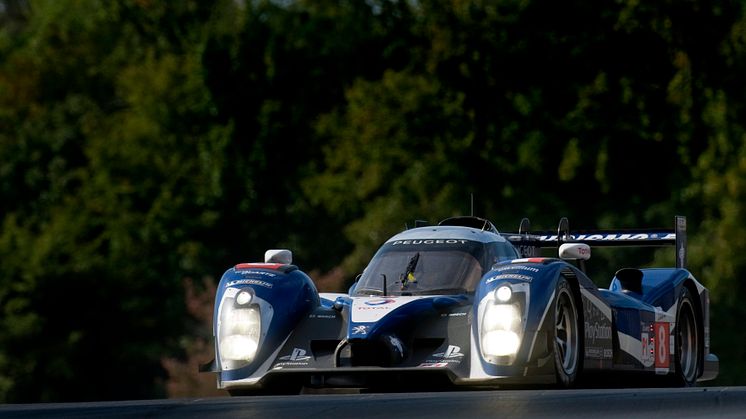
x,y
529,243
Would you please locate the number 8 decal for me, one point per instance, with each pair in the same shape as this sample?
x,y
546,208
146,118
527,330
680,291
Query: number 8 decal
x,y
661,346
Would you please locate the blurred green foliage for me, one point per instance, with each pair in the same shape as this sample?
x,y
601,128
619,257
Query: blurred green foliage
x,y
143,142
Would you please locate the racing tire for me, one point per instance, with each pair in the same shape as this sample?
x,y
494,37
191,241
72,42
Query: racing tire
x,y
687,341
566,334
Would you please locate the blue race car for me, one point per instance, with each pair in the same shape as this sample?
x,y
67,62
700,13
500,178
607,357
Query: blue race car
x,y
460,304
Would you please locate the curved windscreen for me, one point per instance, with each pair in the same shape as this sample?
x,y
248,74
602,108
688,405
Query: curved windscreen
x,y
429,267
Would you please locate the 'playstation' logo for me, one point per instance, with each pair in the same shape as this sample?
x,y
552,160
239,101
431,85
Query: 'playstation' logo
x,y
297,355
451,352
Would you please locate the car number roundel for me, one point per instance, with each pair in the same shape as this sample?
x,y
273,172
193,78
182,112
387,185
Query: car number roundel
x,y
662,336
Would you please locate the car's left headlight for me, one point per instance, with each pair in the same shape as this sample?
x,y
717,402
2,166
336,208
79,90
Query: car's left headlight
x,y
239,331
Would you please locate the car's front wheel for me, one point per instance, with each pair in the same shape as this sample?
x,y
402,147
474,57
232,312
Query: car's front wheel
x,y
567,341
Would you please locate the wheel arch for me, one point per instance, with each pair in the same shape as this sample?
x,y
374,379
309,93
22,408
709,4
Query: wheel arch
x,y
699,318
572,278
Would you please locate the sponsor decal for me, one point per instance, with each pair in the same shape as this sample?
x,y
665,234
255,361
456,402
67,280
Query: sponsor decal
x,y
360,330
379,302
297,358
429,241
322,316
597,331
280,365
396,343
364,312
516,268
648,345
297,355
598,353
510,276
662,336
614,237
250,282
255,272
528,251
434,364
452,352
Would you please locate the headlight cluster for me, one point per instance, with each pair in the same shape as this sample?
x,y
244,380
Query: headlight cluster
x,y
502,326
500,330
239,330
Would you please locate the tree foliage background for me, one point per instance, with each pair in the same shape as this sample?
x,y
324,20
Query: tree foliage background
x,y
145,146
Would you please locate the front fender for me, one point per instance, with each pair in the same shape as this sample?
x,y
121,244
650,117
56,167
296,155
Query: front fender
x,y
533,283
283,294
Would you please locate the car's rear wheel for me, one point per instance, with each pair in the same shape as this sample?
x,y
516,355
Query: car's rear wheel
x,y
686,341
566,335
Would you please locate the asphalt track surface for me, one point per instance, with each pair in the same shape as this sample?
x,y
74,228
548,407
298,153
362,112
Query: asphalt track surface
x,y
701,402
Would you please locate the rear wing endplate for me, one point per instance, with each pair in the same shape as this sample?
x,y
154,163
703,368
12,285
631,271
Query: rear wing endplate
x,y
529,243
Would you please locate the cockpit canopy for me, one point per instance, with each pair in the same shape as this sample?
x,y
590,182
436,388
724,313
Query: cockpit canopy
x,y
431,266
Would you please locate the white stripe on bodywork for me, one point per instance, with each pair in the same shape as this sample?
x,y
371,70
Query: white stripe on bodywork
x,y
634,348
541,323
600,305
630,345
666,316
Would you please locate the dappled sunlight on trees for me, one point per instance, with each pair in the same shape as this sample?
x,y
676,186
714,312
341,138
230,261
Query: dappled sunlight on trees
x,y
145,142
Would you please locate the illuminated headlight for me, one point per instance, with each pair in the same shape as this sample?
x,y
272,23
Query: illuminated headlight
x,y
503,294
501,328
238,348
244,297
501,317
239,333
500,343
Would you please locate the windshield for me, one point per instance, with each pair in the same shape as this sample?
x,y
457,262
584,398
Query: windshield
x,y
428,267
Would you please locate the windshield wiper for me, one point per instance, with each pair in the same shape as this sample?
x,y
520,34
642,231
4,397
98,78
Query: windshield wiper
x,y
408,276
374,291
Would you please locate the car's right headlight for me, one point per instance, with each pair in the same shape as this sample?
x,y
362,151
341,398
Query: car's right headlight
x,y
501,329
502,323
239,330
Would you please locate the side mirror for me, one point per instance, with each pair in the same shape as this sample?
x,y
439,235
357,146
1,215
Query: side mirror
x,y
283,256
575,251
